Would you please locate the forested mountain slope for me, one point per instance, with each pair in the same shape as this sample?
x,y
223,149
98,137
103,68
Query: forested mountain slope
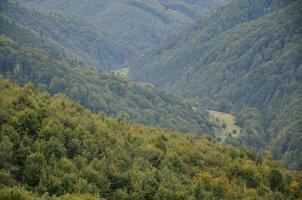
x,y
142,24
245,58
96,48
45,64
52,148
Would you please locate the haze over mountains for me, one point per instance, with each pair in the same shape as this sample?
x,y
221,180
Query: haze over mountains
x,y
227,71
139,23
247,62
94,47
44,62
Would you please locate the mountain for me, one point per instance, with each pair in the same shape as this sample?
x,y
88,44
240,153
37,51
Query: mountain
x,y
94,47
245,58
51,68
53,148
142,24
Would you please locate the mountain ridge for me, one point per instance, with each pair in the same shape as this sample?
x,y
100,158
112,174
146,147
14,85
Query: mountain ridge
x,y
142,24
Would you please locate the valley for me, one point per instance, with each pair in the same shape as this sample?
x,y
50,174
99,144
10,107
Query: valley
x,y
141,24
247,63
156,99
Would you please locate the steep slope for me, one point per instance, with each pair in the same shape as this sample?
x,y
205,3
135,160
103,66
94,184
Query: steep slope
x,y
53,71
30,38
178,53
52,148
94,47
244,58
142,24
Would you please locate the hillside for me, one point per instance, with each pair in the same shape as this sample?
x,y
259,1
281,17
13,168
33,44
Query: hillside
x,y
93,46
245,58
142,24
52,148
53,71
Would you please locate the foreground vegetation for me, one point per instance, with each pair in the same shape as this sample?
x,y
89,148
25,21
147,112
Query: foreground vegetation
x,y
56,149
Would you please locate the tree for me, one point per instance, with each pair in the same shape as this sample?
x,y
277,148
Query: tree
x,y
28,122
276,180
34,166
6,151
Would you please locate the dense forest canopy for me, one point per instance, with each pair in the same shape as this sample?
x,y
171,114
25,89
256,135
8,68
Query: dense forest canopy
x,y
54,147
247,62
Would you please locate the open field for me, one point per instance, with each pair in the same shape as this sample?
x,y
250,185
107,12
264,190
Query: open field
x,y
225,124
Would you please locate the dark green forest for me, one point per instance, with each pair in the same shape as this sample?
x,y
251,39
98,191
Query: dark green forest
x,y
245,59
56,149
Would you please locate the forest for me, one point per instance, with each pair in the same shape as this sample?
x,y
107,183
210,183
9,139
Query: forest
x,y
98,91
248,64
95,48
141,24
157,99
54,148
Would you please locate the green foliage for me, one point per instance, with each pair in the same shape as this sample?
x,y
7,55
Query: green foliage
x,y
6,147
33,170
76,154
244,58
276,180
18,193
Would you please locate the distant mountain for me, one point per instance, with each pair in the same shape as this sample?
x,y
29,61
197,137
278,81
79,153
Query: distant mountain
x,y
54,149
245,58
40,60
94,47
142,24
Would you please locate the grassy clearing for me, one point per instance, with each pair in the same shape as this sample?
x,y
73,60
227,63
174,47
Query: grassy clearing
x,y
123,71
225,124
